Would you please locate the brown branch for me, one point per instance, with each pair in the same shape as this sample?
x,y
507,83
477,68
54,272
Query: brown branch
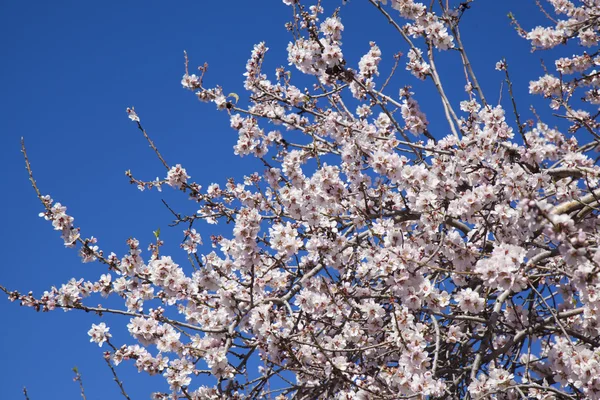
x,y
101,310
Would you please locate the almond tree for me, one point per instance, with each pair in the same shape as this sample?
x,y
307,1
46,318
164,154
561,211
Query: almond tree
x,y
373,258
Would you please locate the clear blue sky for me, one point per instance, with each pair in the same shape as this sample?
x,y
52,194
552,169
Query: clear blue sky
x,y
70,68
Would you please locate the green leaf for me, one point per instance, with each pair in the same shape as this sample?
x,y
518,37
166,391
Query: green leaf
x,y
156,233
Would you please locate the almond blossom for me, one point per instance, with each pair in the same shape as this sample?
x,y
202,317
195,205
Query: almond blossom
x,y
363,262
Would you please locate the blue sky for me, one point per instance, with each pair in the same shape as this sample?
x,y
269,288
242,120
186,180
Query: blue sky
x,y
70,68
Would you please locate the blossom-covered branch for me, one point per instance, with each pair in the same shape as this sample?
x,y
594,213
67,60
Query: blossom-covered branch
x,y
374,257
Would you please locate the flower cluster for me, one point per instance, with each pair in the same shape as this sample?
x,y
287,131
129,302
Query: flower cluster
x,y
177,177
193,239
99,333
415,120
61,221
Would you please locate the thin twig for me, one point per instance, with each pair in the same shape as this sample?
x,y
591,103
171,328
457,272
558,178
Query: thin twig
x,y
78,379
151,143
467,64
514,104
116,378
